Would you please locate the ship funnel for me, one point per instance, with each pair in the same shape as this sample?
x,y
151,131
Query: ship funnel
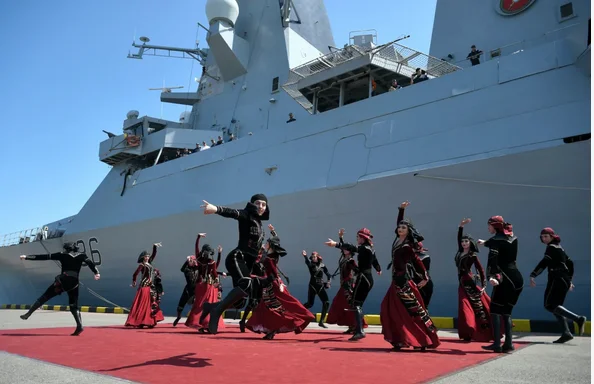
x,y
230,51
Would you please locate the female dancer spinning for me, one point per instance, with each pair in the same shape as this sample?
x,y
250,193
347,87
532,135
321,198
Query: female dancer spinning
x,y
278,311
474,320
317,269
416,274
341,312
206,288
145,309
239,261
506,279
191,271
405,321
67,281
559,283
364,280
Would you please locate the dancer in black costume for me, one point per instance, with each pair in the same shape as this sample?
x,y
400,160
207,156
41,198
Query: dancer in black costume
x,y
258,271
317,286
191,272
364,281
559,283
504,276
239,261
67,281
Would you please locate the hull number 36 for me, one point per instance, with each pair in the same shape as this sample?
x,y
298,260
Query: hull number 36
x,y
93,253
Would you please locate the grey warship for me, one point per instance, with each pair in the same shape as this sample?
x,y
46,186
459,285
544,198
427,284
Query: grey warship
x,y
509,136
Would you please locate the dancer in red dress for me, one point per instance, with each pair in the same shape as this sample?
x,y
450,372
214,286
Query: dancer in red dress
x,y
341,310
364,280
404,318
560,268
416,274
474,317
145,311
206,288
278,311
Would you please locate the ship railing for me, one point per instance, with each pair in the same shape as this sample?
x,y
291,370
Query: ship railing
x,y
392,56
407,60
29,236
522,45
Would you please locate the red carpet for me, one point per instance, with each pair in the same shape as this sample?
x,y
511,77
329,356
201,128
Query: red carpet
x,y
177,355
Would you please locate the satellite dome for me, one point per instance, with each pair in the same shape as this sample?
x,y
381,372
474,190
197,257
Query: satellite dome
x,y
132,114
224,10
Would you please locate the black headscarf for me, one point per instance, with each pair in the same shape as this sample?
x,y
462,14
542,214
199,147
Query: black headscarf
x,y
141,256
251,207
274,243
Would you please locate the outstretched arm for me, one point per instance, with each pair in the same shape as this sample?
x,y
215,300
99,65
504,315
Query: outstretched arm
x,y
401,214
154,254
91,265
220,253
54,256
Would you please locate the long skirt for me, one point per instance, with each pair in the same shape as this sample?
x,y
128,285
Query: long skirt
x,y
405,321
204,293
145,309
279,312
340,312
474,315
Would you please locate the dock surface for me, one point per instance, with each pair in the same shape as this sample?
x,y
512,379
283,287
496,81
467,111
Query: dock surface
x,y
24,356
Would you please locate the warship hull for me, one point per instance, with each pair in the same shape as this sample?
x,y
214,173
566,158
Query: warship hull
x,y
526,188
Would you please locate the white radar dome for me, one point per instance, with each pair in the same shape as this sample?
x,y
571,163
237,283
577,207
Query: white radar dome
x,y
225,10
132,115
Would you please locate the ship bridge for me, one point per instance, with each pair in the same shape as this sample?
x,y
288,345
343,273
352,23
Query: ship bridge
x,y
358,72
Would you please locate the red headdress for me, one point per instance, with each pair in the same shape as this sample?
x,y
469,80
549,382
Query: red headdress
x,y
365,233
500,225
550,231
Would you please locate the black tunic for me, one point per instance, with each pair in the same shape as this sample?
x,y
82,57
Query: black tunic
x,y
560,268
501,266
366,259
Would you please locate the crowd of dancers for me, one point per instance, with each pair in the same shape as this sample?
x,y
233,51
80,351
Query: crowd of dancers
x,y
258,284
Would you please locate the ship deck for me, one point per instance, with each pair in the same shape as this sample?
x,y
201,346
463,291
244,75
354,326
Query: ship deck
x,y
40,349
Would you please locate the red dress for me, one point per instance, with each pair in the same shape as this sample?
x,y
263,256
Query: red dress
x,y
474,317
145,311
207,291
340,312
278,311
405,320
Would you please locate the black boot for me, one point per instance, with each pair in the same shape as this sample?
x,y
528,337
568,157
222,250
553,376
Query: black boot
x,y
78,319
325,307
179,315
507,344
496,346
579,320
244,319
33,308
565,333
359,325
215,310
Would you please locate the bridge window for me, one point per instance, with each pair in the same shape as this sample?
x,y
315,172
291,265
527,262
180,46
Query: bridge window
x,y
275,84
